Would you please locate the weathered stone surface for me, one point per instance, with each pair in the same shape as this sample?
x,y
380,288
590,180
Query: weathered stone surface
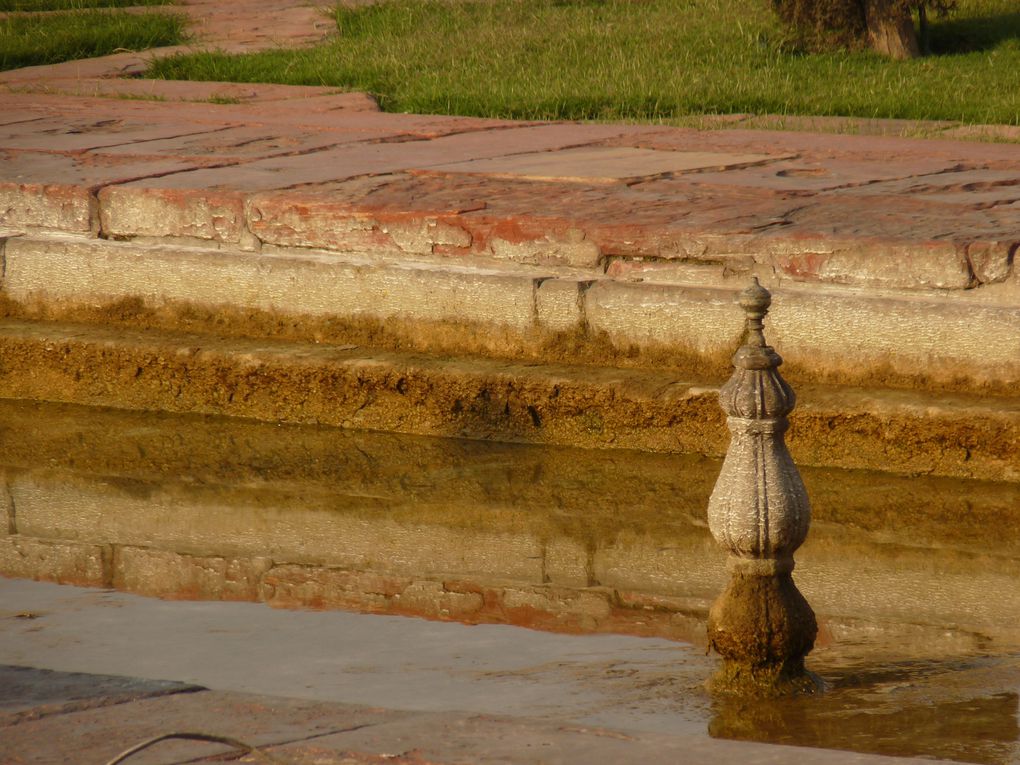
x,y
568,563
353,160
290,586
217,216
886,265
82,271
512,241
661,570
667,271
170,574
232,144
670,315
812,173
874,332
586,607
558,304
65,562
54,192
70,136
882,332
318,222
433,599
603,164
992,261
45,206
8,517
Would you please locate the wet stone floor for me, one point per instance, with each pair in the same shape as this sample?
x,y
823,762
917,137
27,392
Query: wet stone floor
x,y
914,579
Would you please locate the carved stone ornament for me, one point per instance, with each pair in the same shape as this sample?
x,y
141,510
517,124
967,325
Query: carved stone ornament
x,y
759,511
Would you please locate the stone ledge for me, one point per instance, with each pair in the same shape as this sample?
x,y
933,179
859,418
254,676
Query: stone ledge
x,y
962,436
960,340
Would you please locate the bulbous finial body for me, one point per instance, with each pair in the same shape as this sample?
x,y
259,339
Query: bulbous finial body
x,y
759,507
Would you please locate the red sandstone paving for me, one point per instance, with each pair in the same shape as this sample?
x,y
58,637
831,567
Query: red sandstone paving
x,y
876,191
314,168
825,146
242,143
54,134
382,158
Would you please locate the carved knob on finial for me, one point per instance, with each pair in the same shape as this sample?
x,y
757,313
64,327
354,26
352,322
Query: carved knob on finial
x,y
755,300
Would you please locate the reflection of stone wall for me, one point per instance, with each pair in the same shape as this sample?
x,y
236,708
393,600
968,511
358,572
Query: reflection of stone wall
x,y
553,538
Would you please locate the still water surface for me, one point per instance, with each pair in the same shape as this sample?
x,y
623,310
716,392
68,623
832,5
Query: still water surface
x,y
914,579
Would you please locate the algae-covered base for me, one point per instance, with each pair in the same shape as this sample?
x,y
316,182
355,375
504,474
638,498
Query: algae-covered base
x,y
763,628
770,681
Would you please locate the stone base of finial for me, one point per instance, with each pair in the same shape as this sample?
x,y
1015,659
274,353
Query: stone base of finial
x,y
743,680
763,628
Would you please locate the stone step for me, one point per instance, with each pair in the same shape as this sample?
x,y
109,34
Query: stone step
x,y
484,398
683,319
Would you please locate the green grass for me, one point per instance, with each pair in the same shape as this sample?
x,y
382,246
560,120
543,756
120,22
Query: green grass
x,y
70,5
51,38
631,60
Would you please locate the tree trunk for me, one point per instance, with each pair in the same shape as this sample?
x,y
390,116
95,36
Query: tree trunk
x,y
891,32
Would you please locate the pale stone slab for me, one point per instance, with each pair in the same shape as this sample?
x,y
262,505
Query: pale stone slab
x,y
603,164
87,270
870,331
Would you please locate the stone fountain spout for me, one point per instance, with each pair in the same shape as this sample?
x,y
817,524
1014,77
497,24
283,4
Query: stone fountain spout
x,y
759,511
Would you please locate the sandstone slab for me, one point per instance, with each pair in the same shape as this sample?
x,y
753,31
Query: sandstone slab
x,y
603,164
56,191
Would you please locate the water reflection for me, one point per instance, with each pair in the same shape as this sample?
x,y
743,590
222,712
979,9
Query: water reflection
x,y
898,569
964,711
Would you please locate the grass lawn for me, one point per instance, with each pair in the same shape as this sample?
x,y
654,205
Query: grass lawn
x,y
49,38
635,60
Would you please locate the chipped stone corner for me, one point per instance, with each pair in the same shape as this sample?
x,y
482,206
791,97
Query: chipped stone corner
x,y
991,262
427,236
571,247
174,214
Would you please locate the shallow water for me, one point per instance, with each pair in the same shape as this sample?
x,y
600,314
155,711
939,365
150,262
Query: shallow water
x,y
914,579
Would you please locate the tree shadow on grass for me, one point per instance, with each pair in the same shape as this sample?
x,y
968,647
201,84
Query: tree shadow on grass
x,y
951,35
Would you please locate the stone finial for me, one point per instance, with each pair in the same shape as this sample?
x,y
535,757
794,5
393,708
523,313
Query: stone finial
x,y
759,512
